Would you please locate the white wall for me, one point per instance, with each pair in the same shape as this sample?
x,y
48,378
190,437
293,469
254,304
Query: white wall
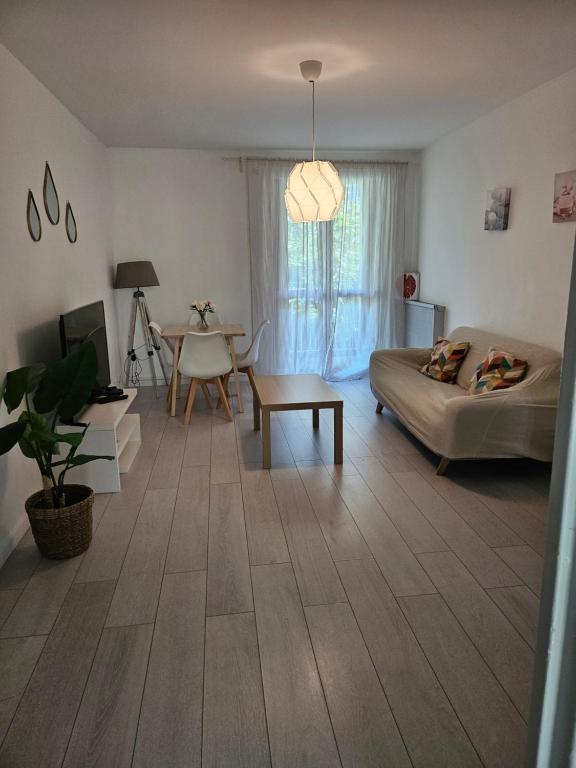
x,y
515,282
40,280
186,211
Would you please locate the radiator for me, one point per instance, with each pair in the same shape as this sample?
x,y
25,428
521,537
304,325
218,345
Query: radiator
x,y
424,323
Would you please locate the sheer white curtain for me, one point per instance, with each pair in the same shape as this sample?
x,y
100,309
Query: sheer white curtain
x,y
331,290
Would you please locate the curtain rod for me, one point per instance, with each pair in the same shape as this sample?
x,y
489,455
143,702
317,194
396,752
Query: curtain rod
x,y
242,158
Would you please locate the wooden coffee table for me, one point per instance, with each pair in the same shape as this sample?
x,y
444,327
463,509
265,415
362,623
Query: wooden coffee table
x,y
296,393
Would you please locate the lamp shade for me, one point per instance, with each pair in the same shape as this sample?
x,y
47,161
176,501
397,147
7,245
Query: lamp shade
x,y
314,192
135,274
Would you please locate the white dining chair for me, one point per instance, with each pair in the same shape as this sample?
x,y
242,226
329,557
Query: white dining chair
x,y
205,359
247,360
170,344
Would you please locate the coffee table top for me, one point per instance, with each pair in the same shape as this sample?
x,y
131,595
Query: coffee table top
x,y
295,392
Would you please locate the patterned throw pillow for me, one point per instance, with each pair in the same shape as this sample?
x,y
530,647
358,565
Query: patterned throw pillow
x,y
498,370
447,357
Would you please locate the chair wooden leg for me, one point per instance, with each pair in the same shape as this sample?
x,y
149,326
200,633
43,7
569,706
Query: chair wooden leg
x,y
250,374
223,398
178,384
190,401
379,407
206,394
225,382
169,390
442,466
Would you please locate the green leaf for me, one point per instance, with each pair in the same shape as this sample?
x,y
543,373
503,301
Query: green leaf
x,y
68,383
10,435
33,424
21,382
82,458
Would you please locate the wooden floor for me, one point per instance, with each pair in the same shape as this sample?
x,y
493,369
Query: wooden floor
x,y
307,616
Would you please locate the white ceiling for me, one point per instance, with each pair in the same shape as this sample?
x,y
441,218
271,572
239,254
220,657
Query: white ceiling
x,y
224,73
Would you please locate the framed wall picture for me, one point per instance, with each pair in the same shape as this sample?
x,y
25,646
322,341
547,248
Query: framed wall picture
x,y
564,197
411,288
497,209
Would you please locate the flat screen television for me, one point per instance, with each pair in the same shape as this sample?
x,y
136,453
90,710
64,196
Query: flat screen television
x,y
83,324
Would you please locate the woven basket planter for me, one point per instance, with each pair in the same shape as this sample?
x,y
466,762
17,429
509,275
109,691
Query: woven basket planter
x,y
62,532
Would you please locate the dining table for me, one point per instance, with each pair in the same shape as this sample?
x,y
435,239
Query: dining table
x,y
175,332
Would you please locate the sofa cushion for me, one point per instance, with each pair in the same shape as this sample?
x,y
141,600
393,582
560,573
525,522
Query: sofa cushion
x,y
498,370
446,359
480,342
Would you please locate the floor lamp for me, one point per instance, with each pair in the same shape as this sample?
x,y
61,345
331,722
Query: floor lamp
x,y
140,274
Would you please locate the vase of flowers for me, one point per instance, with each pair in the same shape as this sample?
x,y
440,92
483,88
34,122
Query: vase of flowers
x,y
203,307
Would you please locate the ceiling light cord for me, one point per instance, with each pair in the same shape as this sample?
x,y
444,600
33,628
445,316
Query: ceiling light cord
x,y
313,123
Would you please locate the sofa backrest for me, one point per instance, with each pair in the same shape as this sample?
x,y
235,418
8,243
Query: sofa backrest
x,y
536,356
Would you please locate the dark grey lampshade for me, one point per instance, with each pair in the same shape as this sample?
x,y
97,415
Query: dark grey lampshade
x,y
135,274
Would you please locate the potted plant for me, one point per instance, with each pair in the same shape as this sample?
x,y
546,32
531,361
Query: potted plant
x,y
60,514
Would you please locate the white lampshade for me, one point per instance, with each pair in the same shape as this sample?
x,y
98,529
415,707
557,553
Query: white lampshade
x,y
314,192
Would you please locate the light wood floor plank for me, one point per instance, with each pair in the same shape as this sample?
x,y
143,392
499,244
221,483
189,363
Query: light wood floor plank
x,y
493,724
521,607
105,728
528,526
229,588
430,729
507,654
472,550
224,453
298,724
198,441
21,564
468,504
401,569
408,519
136,596
43,722
314,568
188,546
166,470
103,561
340,531
41,600
526,563
266,541
8,599
300,440
365,730
170,727
235,734
18,657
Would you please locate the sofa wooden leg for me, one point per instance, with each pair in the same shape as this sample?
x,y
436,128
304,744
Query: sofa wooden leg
x,y
379,407
442,466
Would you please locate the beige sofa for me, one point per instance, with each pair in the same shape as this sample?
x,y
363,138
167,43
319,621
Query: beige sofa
x,y
508,423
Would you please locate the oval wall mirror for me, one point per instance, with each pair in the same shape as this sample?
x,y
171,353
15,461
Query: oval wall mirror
x,y
71,229
33,218
51,197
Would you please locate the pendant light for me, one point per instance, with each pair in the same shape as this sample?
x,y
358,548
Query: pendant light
x,y
314,191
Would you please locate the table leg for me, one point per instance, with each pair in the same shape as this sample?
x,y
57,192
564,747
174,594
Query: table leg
x,y
174,393
338,433
266,450
315,418
236,374
256,411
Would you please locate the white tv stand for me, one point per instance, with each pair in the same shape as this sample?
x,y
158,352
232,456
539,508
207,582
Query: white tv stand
x,y
112,432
